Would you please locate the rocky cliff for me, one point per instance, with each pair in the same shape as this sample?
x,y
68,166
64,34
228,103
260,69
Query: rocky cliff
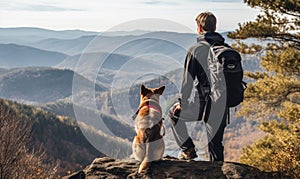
x,y
170,168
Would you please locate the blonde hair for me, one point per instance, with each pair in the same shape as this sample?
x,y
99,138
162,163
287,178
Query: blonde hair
x,y
207,21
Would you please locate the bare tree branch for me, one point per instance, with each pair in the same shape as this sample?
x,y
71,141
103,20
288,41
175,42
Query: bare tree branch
x,y
15,159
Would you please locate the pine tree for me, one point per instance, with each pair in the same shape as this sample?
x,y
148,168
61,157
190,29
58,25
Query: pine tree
x,y
274,98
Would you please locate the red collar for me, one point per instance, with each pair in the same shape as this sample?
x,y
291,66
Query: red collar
x,y
157,108
152,107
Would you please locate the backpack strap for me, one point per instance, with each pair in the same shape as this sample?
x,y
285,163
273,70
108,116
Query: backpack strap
x,y
135,114
228,115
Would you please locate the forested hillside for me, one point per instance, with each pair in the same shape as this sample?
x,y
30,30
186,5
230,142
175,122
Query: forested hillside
x,y
59,137
40,84
273,99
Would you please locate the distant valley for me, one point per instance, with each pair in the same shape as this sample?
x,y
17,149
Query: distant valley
x,y
95,80
40,84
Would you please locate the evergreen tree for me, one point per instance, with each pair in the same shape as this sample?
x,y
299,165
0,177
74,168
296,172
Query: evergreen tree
x,y
274,98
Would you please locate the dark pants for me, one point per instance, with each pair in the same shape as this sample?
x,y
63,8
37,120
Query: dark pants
x,y
215,131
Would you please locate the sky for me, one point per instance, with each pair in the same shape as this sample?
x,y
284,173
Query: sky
x,y
102,15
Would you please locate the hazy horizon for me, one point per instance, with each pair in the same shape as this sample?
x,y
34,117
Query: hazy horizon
x,y
99,15
134,30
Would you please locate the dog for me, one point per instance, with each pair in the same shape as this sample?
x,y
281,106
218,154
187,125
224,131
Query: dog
x,y
148,144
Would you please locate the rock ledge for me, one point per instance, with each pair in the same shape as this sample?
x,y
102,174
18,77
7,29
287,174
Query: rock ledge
x,y
170,168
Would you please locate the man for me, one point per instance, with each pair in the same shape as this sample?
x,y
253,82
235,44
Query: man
x,y
195,72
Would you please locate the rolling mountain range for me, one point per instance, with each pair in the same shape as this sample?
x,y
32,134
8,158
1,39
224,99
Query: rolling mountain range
x,y
12,55
65,108
119,69
40,84
149,42
27,35
168,43
115,64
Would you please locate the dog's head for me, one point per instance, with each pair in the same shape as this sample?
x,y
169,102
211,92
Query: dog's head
x,y
151,93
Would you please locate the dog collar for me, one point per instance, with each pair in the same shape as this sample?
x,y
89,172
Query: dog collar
x,y
157,109
152,107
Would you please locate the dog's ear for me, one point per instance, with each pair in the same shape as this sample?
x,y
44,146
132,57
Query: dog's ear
x,y
144,90
159,90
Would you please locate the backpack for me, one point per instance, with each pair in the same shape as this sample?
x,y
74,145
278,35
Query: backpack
x,y
225,63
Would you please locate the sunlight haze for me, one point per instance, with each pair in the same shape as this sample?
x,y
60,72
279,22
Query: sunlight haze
x,y
100,15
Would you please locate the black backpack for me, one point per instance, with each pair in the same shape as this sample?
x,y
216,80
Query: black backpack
x,y
226,64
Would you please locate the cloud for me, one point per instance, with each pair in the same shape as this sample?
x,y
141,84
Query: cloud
x,y
49,8
226,1
159,2
19,6
152,2
101,15
214,1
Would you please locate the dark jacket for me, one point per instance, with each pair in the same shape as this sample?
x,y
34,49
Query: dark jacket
x,y
195,67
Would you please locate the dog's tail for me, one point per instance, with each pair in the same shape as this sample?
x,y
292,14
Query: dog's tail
x,y
144,165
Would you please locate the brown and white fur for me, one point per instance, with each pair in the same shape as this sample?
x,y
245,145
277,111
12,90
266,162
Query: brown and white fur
x,y
148,144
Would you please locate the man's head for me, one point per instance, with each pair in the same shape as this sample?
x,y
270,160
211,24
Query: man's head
x,y
206,22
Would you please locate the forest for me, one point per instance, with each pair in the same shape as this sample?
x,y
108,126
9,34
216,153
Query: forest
x,y
273,100
42,139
